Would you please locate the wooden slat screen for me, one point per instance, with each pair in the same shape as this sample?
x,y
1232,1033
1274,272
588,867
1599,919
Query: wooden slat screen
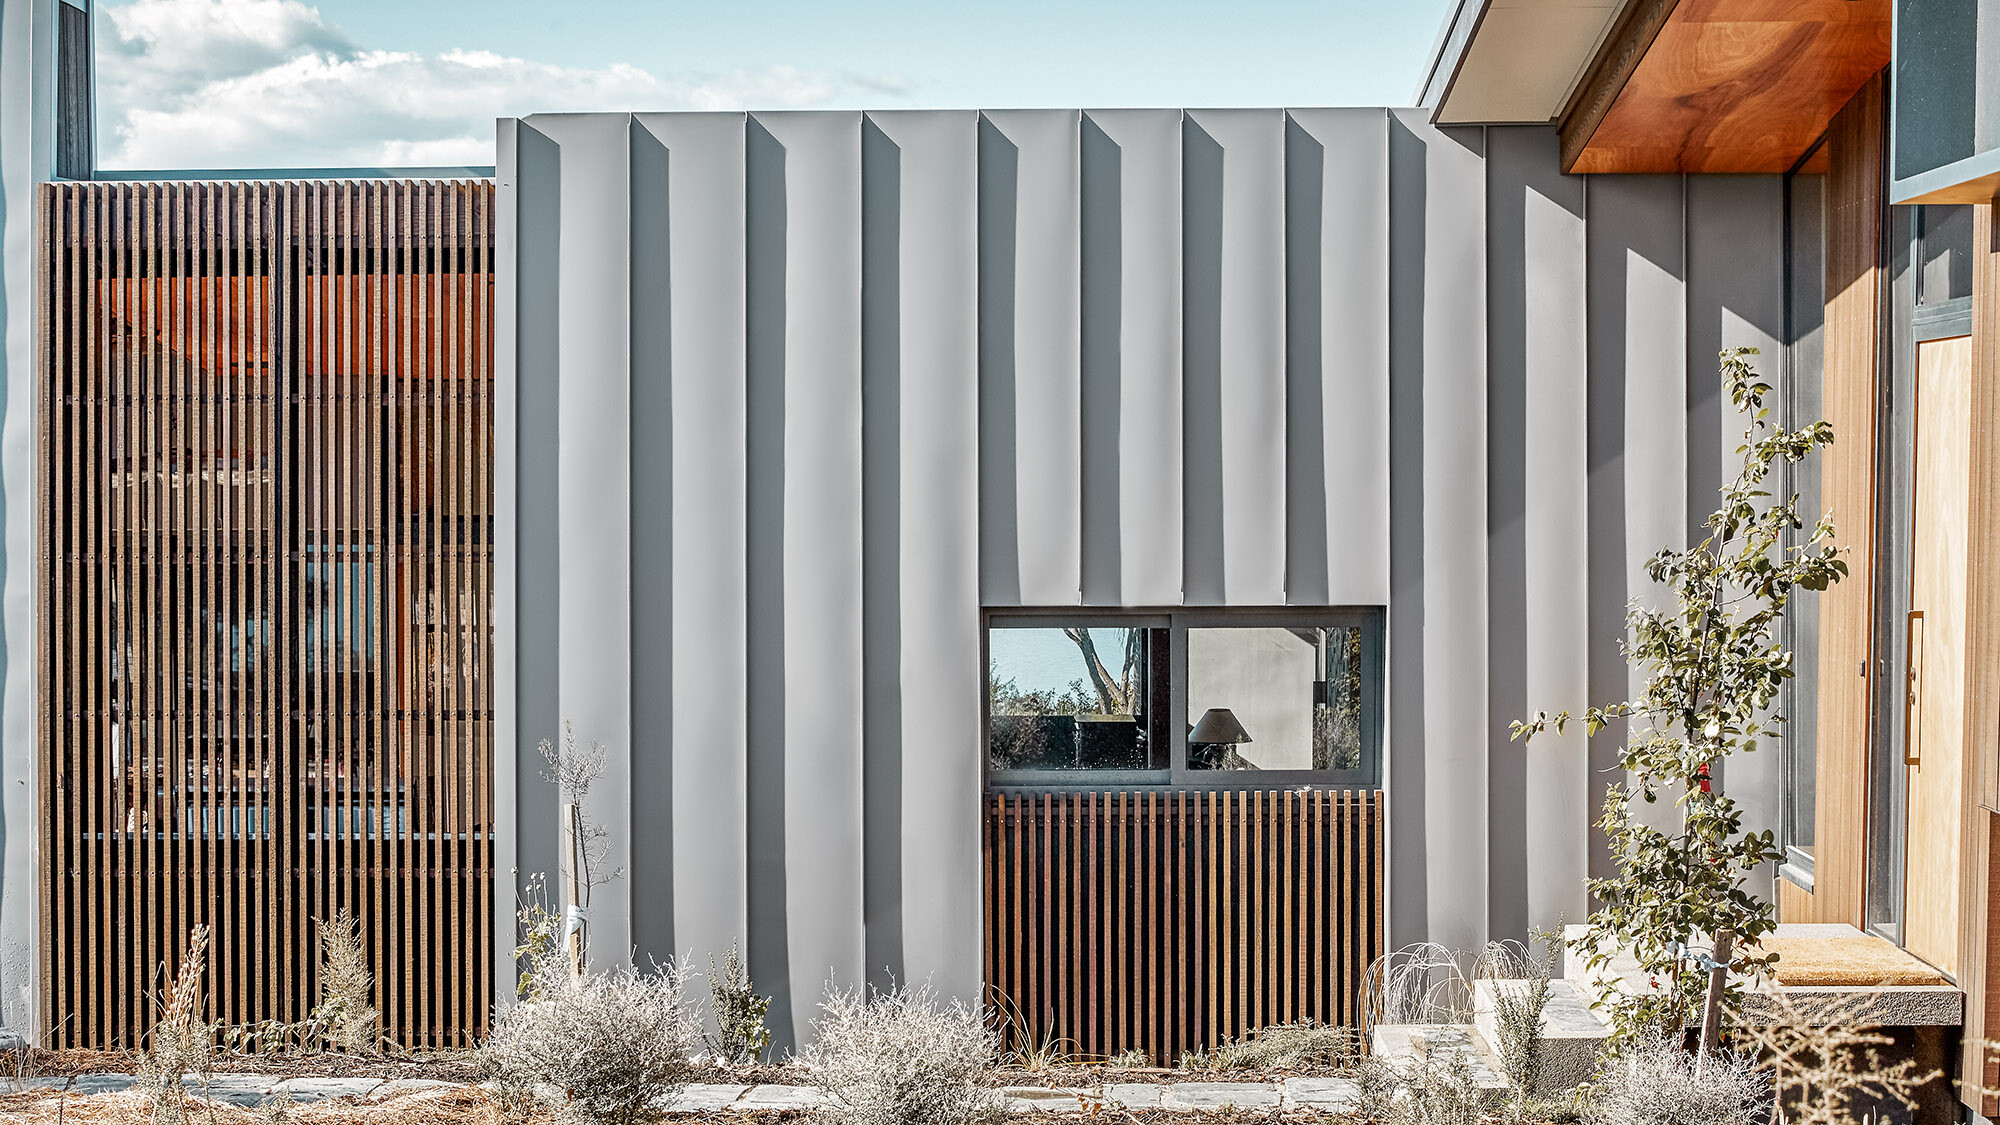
x,y
1169,921
265,669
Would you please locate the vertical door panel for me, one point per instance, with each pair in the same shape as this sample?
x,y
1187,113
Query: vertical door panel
x,y
1934,749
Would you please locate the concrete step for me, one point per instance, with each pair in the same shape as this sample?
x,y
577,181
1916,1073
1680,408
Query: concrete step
x,y
1572,1035
1408,1046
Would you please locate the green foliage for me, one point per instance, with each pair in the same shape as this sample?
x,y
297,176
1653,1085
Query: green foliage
x,y
541,932
740,1035
1715,661
1004,697
1518,1006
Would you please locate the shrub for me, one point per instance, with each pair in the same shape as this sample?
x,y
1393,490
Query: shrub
x,y
740,1034
1430,1091
1518,1010
1291,1046
346,1013
1829,1062
182,1043
1713,651
903,1057
614,1045
1654,1082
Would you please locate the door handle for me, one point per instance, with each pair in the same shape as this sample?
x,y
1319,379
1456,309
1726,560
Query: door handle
x,y
1913,648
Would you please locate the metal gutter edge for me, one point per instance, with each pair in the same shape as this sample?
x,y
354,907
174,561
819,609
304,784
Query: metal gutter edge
x,y
1448,55
438,172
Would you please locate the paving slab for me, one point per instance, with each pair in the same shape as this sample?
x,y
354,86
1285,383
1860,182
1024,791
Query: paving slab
x,y
1332,1094
233,1089
780,1097
320,1089
704,1097
1135,1095
1217,1095
419,1086
1043,1099
94,1083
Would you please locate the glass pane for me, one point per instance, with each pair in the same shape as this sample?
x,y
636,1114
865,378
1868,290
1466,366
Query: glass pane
x,y
1944,270
1805,304
1275,699
1077,699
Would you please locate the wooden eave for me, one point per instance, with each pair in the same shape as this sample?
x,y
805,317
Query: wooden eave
x,y
1721,85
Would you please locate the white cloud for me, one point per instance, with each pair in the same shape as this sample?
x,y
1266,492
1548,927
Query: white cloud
x,y
256,83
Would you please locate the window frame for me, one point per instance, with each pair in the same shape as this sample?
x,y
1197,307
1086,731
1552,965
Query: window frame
x,y
1372,621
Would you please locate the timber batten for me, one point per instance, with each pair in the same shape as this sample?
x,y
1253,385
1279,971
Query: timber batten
x,y
1176,920
266,549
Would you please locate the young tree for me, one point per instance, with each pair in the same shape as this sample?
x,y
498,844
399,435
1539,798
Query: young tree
x,y
1715,661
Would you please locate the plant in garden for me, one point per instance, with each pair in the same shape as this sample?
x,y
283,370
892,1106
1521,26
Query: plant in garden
x,y
1436,1089
1292,1046
586,846
1828,1064
1715,660
1518,1004
903,1057
615,1045
1654,1082
740,1034
346,1014
181,1043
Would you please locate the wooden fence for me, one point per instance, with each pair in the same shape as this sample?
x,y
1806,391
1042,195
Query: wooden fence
x,y
1167,921
266,571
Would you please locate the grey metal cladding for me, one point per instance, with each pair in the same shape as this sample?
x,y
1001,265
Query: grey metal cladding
x,y
696,215
1337,357
1452,337
921,366
1538,796
823,385
1030,357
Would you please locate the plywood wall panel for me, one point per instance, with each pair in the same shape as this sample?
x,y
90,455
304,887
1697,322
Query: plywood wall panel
x,y
1851,388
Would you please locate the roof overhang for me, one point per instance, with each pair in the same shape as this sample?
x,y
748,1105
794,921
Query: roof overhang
x,y
1661,86
1514,62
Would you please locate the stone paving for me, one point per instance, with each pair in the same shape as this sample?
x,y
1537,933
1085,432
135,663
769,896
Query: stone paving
x,y
1326,1094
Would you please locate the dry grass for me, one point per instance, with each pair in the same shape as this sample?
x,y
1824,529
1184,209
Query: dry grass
x,y
472,1106
458,1105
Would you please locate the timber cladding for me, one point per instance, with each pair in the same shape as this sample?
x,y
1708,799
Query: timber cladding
x,y
265,434
1170,921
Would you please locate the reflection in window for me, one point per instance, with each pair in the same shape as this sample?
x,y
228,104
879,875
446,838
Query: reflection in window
x,y
1274,699
1077,699
1944,258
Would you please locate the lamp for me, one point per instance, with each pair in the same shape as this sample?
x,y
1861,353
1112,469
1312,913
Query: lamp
x,y
1218,727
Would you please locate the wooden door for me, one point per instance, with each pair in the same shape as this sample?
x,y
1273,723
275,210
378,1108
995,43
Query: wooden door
x,y
1934,749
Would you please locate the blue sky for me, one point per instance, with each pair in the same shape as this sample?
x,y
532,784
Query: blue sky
x,y
247,83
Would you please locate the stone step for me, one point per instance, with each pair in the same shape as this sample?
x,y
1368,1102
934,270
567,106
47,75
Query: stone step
x,y
1409,1046
1883,1005
1572,1034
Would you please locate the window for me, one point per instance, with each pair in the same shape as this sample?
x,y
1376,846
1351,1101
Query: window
x,y
1198,698
1805,314
1077,698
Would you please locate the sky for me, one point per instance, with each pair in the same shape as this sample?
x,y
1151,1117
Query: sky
x,y
345,83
